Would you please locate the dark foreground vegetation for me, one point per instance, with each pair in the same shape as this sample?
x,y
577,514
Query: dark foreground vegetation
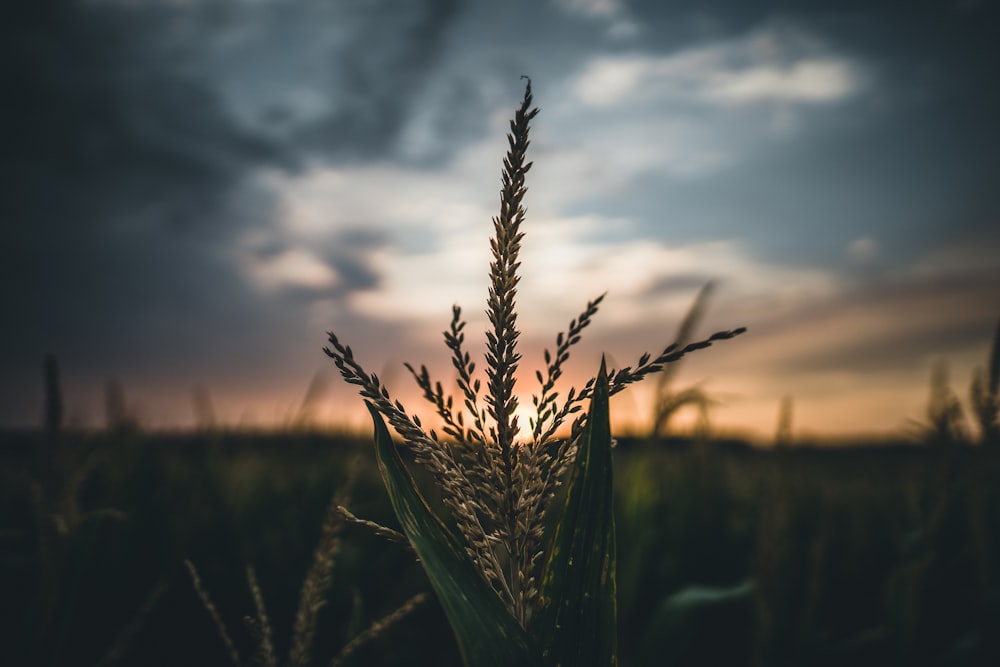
x,y
727,555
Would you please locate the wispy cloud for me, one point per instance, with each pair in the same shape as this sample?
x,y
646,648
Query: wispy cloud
x,y
291,268
621,26
777,64
817,81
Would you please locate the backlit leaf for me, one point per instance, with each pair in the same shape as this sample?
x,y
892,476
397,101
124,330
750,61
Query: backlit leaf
x,y
577,623
487,635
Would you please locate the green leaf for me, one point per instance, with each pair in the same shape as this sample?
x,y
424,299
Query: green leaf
x,y
578,620
487,635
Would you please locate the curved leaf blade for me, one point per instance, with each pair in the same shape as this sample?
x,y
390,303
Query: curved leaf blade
x,y
487,635
578,621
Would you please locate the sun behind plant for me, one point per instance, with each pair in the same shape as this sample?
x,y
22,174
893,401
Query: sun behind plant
x,y
498,487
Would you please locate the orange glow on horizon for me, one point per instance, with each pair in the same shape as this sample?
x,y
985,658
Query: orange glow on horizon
x,y
746,407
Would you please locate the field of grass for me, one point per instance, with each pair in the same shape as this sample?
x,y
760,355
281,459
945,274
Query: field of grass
x,y
726,554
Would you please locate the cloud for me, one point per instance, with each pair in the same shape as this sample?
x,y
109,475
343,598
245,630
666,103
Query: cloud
x,y
859,331
611,80
654,120
294,268
776,64
621,26
378,74
855,356
436,225
595,8
117,161
863,250
896,322
815,81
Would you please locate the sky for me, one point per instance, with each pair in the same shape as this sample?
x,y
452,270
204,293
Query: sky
x,y
196,191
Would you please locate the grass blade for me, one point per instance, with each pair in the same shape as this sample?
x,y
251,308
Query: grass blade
x,y
487,635
578,621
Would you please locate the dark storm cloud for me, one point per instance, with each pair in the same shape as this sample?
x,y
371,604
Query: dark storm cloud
x,y
377,76
334,79
101,133
350,253
888,27
113,163
128,172
118,174
109,126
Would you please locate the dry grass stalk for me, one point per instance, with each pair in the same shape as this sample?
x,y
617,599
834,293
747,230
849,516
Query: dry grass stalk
x,y
209,606
128,634
376,528
499,489
377,628
311,599
260,626
320,577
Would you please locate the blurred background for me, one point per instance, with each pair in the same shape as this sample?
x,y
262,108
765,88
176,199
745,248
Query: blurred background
x,y
196,191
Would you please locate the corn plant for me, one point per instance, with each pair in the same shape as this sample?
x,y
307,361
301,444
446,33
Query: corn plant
x,y
514,593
